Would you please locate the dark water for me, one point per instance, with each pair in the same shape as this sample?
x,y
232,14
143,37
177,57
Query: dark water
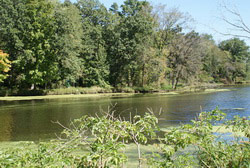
x,y
32,120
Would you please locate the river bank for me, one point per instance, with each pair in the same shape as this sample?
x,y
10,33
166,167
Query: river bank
x,y
108,92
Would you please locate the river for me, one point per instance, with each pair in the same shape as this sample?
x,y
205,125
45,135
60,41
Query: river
x,y
33,119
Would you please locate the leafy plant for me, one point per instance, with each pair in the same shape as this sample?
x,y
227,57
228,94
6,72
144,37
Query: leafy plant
x,y
207,148
104,138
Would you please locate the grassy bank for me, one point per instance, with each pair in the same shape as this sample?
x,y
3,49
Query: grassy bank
x,y
15,98
104,92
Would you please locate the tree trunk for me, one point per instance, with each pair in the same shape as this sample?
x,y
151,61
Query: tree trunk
x,y
173,83
176,83
143,73
139,155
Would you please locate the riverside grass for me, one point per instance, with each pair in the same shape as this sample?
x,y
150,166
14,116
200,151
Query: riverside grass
x,y
16,98
130,150
89,95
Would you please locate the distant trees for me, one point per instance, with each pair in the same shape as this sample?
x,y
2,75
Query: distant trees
x,y
226,62
239,28
239,56
55,44
216,65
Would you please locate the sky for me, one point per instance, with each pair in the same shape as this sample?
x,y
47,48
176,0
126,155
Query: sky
x,y
206,13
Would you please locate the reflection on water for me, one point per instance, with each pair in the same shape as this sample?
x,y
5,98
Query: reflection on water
x,y
6,127
32,120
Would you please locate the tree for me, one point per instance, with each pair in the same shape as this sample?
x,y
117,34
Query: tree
x,y
240,54
4,65
216,62
128,43
210,59
13,20
238,26
170,22
184,57
238,48
26,30
68,42
236,22
93,50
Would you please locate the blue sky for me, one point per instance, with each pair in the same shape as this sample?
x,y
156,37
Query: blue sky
x,y
206,13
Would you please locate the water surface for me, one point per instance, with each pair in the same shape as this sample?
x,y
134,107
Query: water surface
x,y
32,119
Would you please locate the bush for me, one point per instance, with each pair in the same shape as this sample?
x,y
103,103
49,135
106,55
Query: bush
x,y
79,90
124,90
5,91
145,89
208,149
18,92
166,87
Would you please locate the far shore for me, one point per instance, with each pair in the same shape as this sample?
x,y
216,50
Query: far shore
x,y
15,98
177,92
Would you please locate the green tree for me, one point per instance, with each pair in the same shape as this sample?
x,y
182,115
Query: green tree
x,y
239,56
13,19
26,29
210,60
93,50
68,42
214,61
129,41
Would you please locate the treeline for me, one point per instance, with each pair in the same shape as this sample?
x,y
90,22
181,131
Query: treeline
x,y
53,44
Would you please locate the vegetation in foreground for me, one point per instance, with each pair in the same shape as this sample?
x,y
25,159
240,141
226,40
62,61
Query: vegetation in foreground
x,y
103,142
54,44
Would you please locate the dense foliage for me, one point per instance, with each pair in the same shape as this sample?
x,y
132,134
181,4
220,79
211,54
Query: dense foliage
x,y
102,142
54,44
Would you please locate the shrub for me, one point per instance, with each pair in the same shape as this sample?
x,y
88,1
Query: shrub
x,y
79,90
124,90
208,149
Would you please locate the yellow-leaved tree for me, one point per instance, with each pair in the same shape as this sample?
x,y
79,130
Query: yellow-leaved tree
x,y
4,65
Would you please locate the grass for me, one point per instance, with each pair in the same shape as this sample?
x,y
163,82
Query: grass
x,y
223,130
78,90
216,129
15,98
131,150
217,90
93,92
